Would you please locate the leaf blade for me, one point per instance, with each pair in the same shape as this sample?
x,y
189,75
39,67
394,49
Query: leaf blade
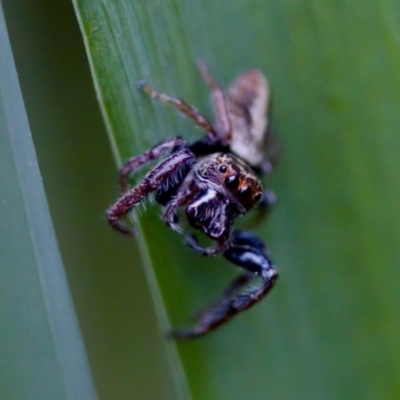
x,y
40,339
321,60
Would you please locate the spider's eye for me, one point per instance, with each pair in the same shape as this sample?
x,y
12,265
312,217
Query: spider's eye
x,y
232,182
223,168
257,197
245,191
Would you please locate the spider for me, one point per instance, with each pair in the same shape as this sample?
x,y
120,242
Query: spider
x,y
216,179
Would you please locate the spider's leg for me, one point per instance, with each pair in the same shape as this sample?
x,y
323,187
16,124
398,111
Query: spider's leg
x,y
233,287
180,199
155,179
181,105
133,163
223,123
193,243
244,240
248,252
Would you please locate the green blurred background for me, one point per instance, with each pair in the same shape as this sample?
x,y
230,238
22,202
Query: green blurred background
x,y
331,327
104,271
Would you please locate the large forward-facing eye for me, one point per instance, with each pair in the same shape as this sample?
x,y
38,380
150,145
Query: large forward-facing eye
x,y
232,182
245,191
257,197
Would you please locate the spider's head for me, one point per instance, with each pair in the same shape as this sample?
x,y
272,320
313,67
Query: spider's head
x,y
232,178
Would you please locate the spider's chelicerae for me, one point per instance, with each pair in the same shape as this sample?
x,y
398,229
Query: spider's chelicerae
x,y
215,180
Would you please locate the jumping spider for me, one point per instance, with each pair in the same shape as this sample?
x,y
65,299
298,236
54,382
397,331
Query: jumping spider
x,y
216,179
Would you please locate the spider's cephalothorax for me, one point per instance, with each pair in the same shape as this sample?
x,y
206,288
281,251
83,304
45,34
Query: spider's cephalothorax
x,y
215,179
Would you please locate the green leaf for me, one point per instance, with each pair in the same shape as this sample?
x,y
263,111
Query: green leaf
x,y
41,349
330,328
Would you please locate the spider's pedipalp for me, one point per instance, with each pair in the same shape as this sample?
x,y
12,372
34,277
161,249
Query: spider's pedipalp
x,y
170,216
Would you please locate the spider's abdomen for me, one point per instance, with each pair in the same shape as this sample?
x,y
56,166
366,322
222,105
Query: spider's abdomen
x,y
247,102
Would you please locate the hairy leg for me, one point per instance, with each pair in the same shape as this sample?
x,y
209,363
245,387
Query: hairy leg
x,y
223,124
192,242
169,215
181,105
157,177
248,252
133,163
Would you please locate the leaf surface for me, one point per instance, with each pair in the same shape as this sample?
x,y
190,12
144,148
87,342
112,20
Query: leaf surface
x,y
42,352
330,328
